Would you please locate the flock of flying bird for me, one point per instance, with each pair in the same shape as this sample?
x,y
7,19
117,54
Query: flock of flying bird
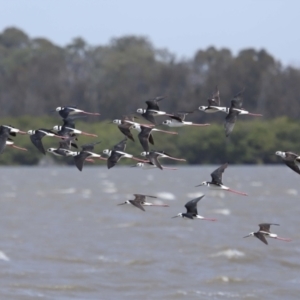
x,y
67,135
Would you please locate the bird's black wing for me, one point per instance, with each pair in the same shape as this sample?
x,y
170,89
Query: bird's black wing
x,y
125,129
293,166
67,143
261,237
215,98
152,103
216,175
80,158
137,204
70,121
139,197
148,115
230,121
37,142
191,206
144,142
3,140
113,159
151,140
121,146
144,137
237,101
64,113
266,226
290,156
153,158
89,147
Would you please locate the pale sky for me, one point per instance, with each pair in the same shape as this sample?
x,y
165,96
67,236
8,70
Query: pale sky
x,y
183,27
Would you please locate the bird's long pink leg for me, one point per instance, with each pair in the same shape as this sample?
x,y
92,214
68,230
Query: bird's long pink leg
x,y
89,134
89,160
90,113
162,205
283,239
200,125
167,168
20,148
22,132
236,192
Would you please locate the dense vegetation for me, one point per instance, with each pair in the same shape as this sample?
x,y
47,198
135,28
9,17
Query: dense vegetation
x,y
116,79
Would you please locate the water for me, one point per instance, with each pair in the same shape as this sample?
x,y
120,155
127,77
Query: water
x,y
62,235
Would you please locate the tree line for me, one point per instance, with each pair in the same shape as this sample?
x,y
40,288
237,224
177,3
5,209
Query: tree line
x,y
37,75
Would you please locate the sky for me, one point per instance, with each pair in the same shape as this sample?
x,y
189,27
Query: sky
x,y
181,26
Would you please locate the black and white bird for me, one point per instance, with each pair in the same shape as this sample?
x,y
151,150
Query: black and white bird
x,y
292,160
37,135
214,103
5,132
178,120
13,130
216,182
140,200
125,125
117,153
64,148
236,104
152,110
69,130
234,111
145,134
191,210
86,154
264,232
66,111
153,157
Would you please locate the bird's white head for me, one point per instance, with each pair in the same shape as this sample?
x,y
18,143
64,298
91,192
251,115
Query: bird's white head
x,y
205,183
59,108
178,215
167,122
57,128
106,151
51,149
280,153
250,234
140,164
140,111
31,132
116,121
202,108
144,153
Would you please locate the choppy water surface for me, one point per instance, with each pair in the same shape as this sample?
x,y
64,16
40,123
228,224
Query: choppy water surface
x,y
62,235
